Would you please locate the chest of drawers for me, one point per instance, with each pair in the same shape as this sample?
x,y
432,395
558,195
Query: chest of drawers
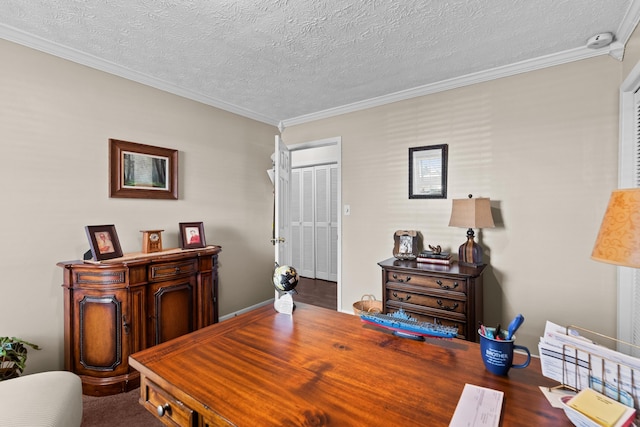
x,y
446,295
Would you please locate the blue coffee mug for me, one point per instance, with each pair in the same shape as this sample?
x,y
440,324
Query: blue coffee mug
x,y
497,355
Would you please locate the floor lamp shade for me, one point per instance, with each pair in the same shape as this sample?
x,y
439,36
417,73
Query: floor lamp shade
x,y
471,213
618,240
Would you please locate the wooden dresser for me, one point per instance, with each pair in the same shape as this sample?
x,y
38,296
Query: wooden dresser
x,y
447,295
117,307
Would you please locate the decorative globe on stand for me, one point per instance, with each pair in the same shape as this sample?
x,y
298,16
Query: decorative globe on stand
x,y
285,280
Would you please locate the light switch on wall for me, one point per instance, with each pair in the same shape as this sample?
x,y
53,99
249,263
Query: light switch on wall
x,y
347,210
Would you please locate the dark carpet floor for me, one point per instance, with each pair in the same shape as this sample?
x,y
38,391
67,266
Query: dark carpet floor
x,y
118,410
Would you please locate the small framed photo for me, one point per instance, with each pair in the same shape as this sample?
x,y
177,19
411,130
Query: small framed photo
x,y
104,242
192,235
428,172
406,244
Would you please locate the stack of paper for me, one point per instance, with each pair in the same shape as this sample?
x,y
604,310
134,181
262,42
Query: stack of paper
x,y
601,409
576,361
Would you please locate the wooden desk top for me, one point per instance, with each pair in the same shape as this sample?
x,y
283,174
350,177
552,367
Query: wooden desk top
x,y
324,368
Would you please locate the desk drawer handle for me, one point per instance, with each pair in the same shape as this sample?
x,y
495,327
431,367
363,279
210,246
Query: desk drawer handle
x,y
164,409
446,287
395,276
177,270
444,307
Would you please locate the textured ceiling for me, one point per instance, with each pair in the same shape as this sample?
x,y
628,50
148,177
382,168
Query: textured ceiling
x,y
293,61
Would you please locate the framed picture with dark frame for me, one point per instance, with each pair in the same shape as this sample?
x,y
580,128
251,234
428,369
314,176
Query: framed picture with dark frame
x,y
192,235
142,171
428,172
104,242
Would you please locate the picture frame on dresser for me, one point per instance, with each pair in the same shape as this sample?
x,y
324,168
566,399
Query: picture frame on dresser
x,y
104,242
406,244
142,171
192,235
428,172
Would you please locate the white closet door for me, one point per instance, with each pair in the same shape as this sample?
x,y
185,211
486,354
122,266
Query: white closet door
x,y
314,226
296,215
307,266
323,215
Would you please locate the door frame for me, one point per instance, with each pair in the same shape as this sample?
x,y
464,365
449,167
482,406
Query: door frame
x,y
333,141
627,294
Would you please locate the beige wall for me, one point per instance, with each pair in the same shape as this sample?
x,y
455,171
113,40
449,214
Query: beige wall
x,y
542,145
56,118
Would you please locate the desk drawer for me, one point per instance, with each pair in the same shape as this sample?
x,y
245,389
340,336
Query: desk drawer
x,y
437,302
168,409
170,270
441,283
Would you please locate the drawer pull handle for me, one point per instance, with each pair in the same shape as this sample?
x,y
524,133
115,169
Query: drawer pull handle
x,y
395,276
177,270
446,287
407,298
164,409
444,307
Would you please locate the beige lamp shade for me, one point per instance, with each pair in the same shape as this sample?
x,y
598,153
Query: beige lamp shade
x,y
471,213
618,241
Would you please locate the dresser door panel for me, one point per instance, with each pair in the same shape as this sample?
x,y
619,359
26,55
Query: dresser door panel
x,y
101,315
171,309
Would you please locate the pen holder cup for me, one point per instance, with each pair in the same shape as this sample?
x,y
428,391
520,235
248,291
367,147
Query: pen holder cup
x,y
497,355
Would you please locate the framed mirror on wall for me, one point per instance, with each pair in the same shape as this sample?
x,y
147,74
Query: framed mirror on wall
x,y
428,172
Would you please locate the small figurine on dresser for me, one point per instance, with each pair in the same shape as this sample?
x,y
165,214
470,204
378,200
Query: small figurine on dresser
x,y
435,256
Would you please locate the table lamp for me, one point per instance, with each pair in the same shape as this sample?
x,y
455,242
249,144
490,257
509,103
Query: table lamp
x,y
471,213
618,240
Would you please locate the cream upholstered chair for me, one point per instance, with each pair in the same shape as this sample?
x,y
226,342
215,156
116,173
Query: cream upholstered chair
x,y
46,399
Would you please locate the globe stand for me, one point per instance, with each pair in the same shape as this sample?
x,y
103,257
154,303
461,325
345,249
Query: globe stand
x,y
284,302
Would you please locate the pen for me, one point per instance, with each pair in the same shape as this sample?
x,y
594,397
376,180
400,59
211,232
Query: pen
x,y
483,330
498,335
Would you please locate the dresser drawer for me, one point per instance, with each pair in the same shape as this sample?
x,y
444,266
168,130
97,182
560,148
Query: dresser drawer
x,y
441,283
164,406
100,277
437,302
169,270
438,320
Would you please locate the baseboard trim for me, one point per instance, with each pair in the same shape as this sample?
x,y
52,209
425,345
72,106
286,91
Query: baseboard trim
x,y
245,310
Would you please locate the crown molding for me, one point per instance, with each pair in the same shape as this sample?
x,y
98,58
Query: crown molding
x,y
616,50
454,83
38,43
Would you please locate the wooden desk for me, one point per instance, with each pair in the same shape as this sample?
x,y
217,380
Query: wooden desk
x,y
324,368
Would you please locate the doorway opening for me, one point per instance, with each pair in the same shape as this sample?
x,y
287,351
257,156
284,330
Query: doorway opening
x,y
316,221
